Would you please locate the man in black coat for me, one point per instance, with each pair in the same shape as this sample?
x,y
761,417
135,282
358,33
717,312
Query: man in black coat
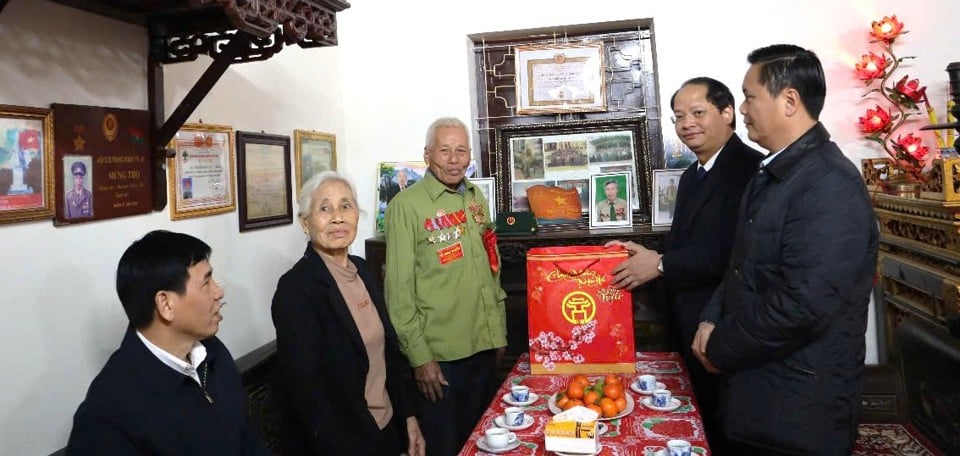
x,y
788,322
697,249
172,387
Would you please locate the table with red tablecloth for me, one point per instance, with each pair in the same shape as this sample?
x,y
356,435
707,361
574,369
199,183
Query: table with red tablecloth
x,y
643,432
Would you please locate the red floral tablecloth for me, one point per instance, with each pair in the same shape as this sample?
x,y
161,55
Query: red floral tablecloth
x,y
643,432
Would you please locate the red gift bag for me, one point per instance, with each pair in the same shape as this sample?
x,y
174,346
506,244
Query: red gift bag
x,y
578,322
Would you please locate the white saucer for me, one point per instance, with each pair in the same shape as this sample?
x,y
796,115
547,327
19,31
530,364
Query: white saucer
x,y
635,386
602,428
527,422
648,403
531,399
482,445
599,447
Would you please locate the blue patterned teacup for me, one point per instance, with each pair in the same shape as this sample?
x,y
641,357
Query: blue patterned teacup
x,y
678,448
661,398
520,393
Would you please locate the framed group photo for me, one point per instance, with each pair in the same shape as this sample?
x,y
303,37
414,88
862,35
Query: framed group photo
x,y
610,200
313,153
26,164
264,196
560,78
201,175
665,182
567,154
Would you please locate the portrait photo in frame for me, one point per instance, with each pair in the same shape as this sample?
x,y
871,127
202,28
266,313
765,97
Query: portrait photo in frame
x,y
557,78
263,196
487,186
566,154
394,177
313,153
665,183
27,182
610,200
201,175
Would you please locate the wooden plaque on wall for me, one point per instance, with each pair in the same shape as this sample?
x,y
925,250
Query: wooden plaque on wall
x,y
102,160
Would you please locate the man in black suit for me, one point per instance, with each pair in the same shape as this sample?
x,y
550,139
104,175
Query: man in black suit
x,y
697,249
172,387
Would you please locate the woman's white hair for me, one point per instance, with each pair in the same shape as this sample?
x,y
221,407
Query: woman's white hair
x,y
305,202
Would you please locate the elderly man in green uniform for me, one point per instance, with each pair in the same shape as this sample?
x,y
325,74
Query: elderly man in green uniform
x,y
79,199
443,290
612,208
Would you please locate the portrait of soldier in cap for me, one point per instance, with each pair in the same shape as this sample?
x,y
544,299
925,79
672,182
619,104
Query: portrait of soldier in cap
x,y
79,199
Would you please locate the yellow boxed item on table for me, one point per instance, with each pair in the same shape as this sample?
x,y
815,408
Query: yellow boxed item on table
x,y
572,431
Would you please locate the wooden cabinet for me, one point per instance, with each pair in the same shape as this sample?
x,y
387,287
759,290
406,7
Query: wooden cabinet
x,y
650,326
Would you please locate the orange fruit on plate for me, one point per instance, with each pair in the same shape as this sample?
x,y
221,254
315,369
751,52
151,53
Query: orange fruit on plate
x,y
591,397
608,407
572,403
611,379
562,400
596,408
582,380
575,391
612,391
621,404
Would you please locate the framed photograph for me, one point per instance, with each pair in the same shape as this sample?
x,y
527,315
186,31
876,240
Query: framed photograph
x,y
313,153
567,154
560,78
665,182
610,200
264,180
394,177
487,186
26,164
201,176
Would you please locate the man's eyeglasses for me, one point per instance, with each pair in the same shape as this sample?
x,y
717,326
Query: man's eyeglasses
x,y
696,114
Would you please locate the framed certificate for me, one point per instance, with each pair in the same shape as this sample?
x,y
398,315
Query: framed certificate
x,y
200,177
264,183
26,164
560,78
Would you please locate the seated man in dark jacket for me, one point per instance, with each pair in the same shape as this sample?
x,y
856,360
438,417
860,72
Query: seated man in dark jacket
x,y
172,387
788,321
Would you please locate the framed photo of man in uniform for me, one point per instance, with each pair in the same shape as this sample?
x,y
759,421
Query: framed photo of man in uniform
x,y
665,182
610,200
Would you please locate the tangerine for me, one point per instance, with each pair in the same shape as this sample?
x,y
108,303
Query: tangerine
x,y
611,379
562,401
612,391
608,407
621,404
572,403
591,397
595,408
575,390
582,380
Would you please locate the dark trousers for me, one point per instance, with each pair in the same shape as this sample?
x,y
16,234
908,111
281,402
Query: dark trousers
x,y
447,423
390,441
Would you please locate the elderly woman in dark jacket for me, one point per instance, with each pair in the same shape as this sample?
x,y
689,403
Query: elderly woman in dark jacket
x,y
344,386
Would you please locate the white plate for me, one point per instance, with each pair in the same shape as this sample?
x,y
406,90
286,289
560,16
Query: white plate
x,y
531,399
648,403
635,386
500,421
599,447
552,404
482,445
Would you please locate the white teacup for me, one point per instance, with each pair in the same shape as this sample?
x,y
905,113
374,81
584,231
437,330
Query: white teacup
x,y
647,383
661,398
513,416
678,448
520,393
498,438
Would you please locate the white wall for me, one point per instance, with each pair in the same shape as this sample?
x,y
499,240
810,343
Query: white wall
x,y
378,91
